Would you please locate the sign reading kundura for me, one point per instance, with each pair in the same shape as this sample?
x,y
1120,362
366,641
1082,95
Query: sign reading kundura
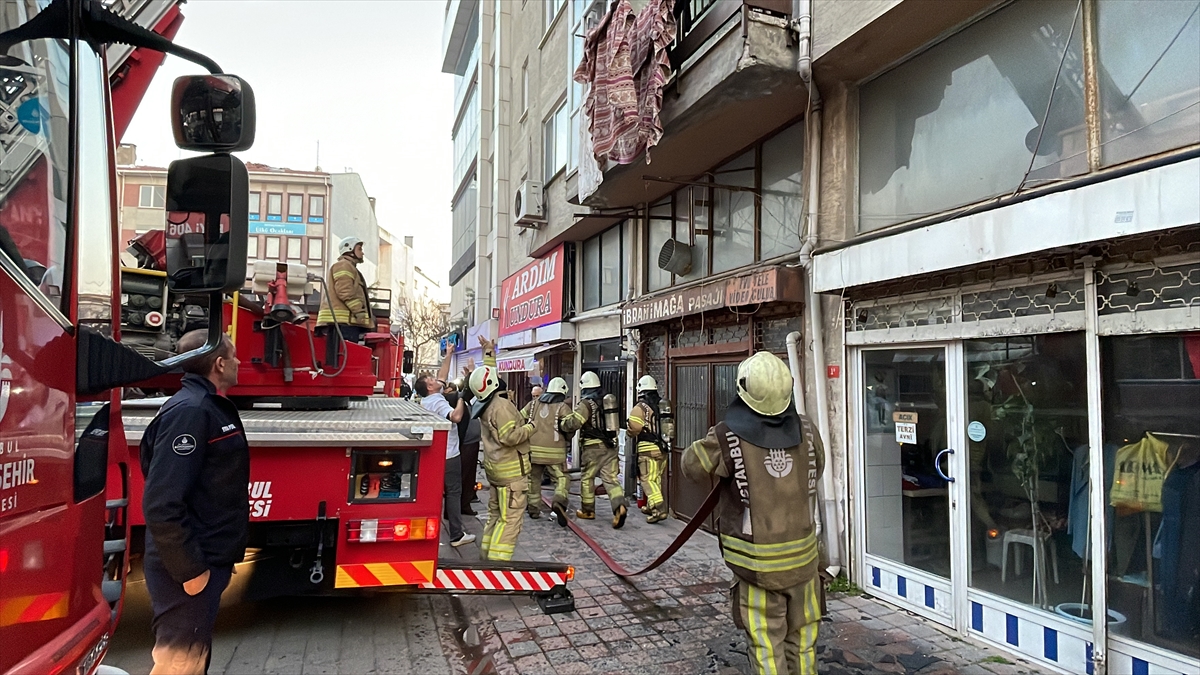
x,y
533,296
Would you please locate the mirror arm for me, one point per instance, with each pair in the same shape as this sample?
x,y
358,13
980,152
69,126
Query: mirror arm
x,y
216,302
100,25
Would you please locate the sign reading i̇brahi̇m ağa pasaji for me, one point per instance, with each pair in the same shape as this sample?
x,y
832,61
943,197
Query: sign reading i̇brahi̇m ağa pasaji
x,y
533,296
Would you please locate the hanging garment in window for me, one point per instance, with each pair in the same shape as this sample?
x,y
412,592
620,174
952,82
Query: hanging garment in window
x,y
625,62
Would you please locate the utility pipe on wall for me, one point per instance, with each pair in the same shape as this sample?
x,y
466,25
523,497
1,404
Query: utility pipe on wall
x,y
793,352
830,512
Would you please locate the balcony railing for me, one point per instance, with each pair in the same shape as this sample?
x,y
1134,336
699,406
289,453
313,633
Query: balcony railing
x,y
700,19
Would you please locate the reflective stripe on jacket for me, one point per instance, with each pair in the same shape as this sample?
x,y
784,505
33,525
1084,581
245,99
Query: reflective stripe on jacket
x,y
504,437
548,444
347,295
774,545
643,419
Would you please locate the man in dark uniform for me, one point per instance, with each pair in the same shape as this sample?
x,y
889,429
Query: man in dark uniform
x,y
196,461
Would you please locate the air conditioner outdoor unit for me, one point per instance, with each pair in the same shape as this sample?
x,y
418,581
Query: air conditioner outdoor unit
x,y
528,206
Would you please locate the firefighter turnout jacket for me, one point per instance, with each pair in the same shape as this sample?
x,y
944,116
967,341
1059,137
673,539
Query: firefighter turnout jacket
x,y
588,418
548,444
504,437
348,296
643,426
196,462
765,516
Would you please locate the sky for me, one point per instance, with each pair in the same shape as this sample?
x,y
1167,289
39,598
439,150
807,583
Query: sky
x,y
363,77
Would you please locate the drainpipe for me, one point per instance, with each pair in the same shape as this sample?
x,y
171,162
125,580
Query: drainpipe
x,y
794,363
830,513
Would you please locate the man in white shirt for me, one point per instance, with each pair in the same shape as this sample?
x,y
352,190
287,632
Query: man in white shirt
x,y
429,388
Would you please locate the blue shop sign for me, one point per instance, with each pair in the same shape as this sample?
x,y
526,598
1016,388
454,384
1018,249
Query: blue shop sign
x,y
291,229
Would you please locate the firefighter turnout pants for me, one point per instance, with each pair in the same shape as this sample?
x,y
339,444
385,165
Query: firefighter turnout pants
x,y
506,506
650,473
558,474
781,626
599,459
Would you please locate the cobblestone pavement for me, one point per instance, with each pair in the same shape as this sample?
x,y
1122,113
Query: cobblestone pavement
x,y
673,621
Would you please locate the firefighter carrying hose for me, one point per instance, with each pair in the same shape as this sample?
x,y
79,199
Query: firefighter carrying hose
x,y
504,436
767,455
596,418
651,450
548,448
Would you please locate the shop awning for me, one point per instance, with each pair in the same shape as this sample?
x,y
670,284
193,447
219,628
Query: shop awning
x,y
524,360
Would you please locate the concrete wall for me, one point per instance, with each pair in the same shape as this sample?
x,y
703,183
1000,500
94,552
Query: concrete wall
x,y
545,52
353,215
836,20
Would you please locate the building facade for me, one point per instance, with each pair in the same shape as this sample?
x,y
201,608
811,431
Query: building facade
x,y
293,215
982,223
1009,272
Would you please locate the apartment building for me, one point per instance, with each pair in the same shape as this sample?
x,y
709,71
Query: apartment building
x,y
293,215
981,216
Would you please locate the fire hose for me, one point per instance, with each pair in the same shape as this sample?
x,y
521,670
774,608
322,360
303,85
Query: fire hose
x,y
710,503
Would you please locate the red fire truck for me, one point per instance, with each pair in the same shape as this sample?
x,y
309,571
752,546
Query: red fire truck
x,y
341,479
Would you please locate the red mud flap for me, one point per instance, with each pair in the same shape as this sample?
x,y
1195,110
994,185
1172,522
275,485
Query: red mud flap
x,y
547,582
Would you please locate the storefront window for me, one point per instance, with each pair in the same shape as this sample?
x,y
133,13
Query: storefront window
x,y
602,350
782,190
1151,394
610,266
908,519
741,227
604,275
660,232
733,215
591,273
1149,79
699,202
1028,456
972,106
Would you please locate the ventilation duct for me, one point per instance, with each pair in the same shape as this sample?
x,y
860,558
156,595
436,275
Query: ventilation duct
x,y
675,257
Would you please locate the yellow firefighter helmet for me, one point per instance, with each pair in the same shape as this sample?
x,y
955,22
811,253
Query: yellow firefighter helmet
x,y
589,380
558,386
765,384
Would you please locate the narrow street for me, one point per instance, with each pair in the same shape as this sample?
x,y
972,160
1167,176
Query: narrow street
x,y
673,621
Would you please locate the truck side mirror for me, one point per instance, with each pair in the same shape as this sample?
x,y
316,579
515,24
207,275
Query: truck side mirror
x,y
212,113
207,223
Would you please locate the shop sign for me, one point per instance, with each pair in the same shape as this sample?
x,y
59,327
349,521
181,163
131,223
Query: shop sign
x,y
768,285
680,303
906,427
517,364
753,288
533,296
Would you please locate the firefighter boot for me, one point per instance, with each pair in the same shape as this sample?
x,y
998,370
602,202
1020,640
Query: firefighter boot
x,y
657,514
586,512
560,514
533,506
619,516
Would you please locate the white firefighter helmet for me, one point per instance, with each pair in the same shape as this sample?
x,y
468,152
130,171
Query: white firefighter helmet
x,y
347,245
647,383
485,381
558,386
765,384
589,380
